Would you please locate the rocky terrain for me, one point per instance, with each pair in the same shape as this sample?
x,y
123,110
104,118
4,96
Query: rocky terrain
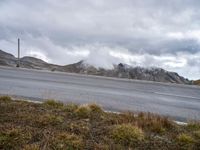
x,y
120,70
7,59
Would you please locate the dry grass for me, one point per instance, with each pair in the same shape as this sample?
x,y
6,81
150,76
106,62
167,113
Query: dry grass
x,y
53,104
5,99
197,82
54,125
127,134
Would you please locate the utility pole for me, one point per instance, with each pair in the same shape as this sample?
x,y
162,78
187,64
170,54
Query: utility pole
x,y
18,62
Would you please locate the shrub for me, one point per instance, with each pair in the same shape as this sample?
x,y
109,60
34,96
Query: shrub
x,y
54,104
185,139
101,146
96,112
83,111
127,134
13,139
154,123
31,147
157,128
5,98
80,127
141,115
91,110
127,117
70,107
193,126
197,138
95,108
66,141
197,134
49,119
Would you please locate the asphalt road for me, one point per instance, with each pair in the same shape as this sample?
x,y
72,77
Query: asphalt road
x,y
181,102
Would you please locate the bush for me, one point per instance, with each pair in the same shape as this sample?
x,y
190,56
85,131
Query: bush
x,y
79,128
127,134
54,104
83,111
67,141
101,146
13,139
197,138
185,139
5,98
96,112
31,147
49,119
70,107
197,134
91,111
193,126
127,117
157,127
154,123
95,108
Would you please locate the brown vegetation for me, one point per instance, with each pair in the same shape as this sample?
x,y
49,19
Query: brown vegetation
x,y
54,125
197,82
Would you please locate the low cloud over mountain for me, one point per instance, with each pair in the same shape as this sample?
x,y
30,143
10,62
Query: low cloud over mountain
x,y
149,33
118,70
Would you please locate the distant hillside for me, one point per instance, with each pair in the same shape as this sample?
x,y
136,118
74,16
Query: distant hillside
x,y
125,71
197,82
120,70
7,59
35,63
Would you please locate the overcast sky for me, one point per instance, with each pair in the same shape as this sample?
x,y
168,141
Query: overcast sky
x,y
149,33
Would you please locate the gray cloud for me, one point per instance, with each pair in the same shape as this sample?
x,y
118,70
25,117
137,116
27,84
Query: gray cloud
x,y
66,31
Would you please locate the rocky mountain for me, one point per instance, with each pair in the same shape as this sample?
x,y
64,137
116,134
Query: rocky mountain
x,y
120,70
7,59
35,63
125,71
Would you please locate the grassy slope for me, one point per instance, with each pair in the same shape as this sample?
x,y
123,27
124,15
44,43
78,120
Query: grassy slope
x,y
53,125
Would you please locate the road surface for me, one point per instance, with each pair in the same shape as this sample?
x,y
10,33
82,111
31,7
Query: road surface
x,y
181,102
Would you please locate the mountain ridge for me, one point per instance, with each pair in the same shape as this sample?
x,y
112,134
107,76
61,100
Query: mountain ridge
x,y
120,70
